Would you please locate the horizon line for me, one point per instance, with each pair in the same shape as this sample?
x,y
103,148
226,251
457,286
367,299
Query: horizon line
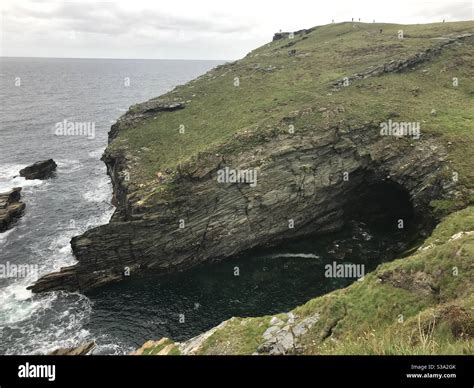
x,y
122,59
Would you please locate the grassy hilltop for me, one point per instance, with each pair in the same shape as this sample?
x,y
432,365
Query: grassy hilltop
x,y
276,88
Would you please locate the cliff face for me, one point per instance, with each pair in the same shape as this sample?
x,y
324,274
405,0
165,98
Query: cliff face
x,y
307,129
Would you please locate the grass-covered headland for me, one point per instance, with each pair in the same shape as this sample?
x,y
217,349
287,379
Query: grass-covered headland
x,y
351,75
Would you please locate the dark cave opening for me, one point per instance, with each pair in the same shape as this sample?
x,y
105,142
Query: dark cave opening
x,y
385,206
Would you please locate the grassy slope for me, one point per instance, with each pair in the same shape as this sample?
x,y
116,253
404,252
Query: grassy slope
x,y
216,109
366,312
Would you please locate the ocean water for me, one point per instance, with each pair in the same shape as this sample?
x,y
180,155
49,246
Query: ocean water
x,y
38,93
35,94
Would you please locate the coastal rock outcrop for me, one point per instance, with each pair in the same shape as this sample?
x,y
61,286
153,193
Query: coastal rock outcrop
x,y
302,180
314,161
39,170
10,207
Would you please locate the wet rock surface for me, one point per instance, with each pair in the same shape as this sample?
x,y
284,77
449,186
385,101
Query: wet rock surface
x,y
11,207
40,170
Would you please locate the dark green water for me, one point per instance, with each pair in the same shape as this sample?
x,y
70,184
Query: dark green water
x,y
269,282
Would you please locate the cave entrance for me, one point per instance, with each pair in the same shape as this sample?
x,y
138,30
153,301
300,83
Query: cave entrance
x,y
270,279
384,206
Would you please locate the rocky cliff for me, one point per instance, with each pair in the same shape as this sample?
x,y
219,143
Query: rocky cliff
x,y
310,119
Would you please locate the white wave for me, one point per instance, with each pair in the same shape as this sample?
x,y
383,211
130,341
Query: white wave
x,y
96,154
107,345
16,304
100,220
27,313
69,165
9,170
4,235
62,256
294,255
10,177
101,192
59,317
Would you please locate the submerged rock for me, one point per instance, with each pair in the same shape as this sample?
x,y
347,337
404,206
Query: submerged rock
x,y
10,207
40,170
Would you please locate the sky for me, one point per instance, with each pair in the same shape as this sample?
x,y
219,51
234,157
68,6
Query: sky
x,y
188,29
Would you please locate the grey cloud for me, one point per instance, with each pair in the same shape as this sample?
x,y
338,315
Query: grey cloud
x,y
109,18
450,12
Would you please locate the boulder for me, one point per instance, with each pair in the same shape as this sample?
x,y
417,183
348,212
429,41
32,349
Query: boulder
x,y
39,170
10,207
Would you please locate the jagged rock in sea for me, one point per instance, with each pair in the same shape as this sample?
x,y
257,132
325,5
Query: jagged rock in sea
x,y
10,207
309,133
39,170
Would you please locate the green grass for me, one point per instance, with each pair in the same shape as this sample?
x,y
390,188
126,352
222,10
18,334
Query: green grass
x,y
155,350
240,336
216,110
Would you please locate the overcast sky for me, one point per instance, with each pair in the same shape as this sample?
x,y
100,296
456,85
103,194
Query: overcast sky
x,y
188,29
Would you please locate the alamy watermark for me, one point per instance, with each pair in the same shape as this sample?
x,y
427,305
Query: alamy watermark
x,y
347,271
10,270
399,129
231,175
75,128
37,371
